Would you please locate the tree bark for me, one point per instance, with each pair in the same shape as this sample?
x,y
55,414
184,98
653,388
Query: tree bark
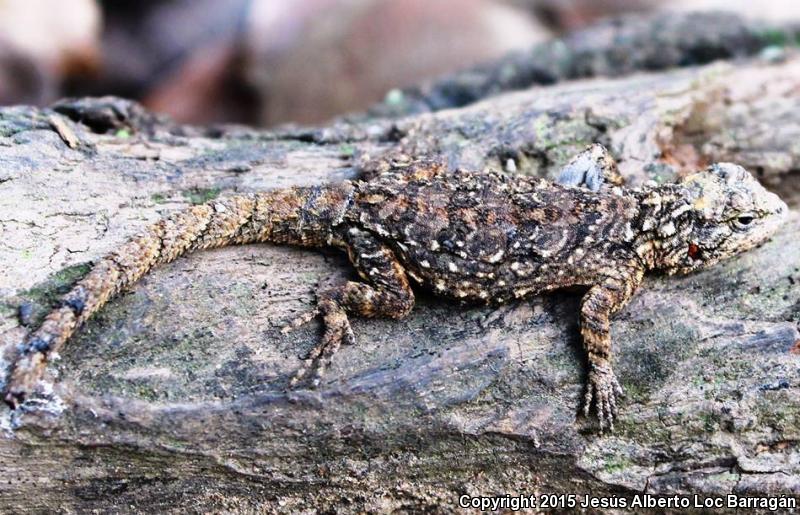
x,y
175,394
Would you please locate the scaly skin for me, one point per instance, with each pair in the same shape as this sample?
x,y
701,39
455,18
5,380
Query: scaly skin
x,y
473,237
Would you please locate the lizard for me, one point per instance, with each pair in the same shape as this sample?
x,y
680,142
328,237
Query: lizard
x,y
476,237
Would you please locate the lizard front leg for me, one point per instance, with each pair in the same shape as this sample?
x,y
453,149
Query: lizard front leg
x,y
599,305
386,293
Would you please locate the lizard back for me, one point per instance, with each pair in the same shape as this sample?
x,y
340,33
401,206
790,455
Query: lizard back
x,y
489,237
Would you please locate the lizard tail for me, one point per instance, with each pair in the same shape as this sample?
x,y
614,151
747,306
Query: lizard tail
x,y
297,216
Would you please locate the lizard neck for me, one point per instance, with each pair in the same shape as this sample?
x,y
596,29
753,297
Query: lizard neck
x,y
662,226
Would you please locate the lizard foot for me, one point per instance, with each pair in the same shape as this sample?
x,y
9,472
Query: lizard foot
x,y
602,388
337,331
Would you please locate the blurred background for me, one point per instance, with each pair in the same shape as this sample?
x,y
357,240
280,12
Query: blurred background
x,y
266,62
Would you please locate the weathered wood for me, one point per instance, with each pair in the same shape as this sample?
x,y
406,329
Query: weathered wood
x,y
175,394
611,47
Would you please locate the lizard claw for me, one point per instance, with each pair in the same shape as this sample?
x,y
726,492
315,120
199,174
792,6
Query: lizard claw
x,y
337,332
602,388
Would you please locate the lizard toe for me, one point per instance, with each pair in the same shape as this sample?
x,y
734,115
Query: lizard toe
x,y
587,401
300,320
602,389
337,332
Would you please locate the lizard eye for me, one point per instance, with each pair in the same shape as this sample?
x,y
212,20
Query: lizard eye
x,y
743,221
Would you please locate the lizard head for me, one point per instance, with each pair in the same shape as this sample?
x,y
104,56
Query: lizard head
x,y
718,213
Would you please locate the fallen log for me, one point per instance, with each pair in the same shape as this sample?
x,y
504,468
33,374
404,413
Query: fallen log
x,y
175,394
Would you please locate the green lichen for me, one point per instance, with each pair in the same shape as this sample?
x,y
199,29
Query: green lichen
x,y
616,464
7,311
709,421
158,198
780,414
660,172
147,392
649,430
775,37
201,195
45,295
635,392
57,284
542,128
140,389
119,349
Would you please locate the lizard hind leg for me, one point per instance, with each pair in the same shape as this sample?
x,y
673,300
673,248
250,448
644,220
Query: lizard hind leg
x,y
594,169
385,294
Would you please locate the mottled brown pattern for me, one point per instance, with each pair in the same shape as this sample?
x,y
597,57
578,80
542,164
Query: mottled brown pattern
x,y
473,237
